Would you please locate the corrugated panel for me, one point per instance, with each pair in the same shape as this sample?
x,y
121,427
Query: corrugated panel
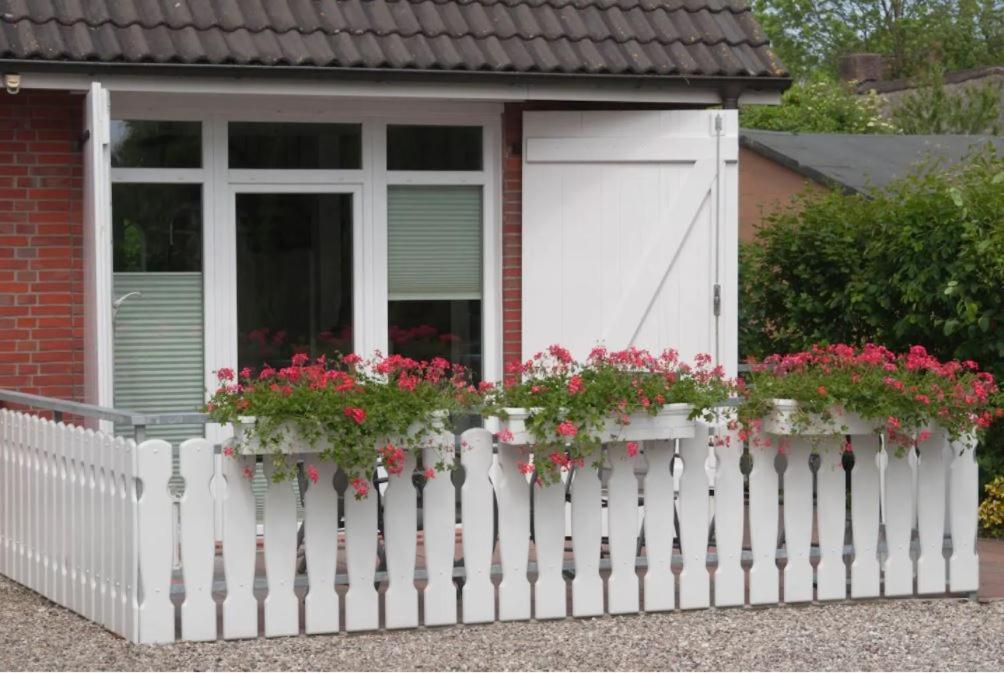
x,y
434,242
644,37
159,348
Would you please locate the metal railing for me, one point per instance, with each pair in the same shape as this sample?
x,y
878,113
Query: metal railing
x,y
139,421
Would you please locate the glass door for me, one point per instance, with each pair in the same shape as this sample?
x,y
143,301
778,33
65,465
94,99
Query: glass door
x,y
294,274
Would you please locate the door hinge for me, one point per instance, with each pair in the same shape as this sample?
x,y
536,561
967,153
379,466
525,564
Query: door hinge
x,y
717,300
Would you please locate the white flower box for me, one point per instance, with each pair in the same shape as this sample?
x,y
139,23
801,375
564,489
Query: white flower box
x,y
782,421
672,422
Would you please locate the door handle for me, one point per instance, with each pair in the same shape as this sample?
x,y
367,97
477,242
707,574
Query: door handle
x,y
117,304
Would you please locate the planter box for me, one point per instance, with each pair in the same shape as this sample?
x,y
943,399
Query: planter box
x,y
292,442
671,422
781,421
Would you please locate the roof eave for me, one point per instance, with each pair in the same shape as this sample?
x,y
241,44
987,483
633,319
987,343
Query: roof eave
x,y
792,164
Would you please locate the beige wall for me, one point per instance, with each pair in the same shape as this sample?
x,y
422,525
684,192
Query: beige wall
x,y
765,185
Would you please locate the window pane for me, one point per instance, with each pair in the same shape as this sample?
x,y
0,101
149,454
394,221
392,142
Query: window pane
x,y
156,144
157,227
434,148
434,242
294,276
264,145
424,329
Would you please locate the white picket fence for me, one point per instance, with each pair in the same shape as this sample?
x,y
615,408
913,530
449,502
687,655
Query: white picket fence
x,y
89,522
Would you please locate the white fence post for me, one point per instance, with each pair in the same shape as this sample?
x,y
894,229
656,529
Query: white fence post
x,y
240,608
320,520
478,528
156,612
198,546
899,507
865,516
362,606
622,529
439,532
931,570
831,511
964,564
660,582
695,512
400,529
512,491
763,484
282,611
587,587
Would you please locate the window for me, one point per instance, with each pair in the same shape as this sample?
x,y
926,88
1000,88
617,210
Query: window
x,y
156,144
434,272
156,227
287,146
434,148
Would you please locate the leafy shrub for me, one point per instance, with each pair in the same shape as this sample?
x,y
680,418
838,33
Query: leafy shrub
x,y
992,509
818,107
931,109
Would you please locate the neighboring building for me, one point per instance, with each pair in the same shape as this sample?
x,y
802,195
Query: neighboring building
x,y
775,166
207,183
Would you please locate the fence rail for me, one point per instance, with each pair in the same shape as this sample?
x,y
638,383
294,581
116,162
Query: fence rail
x,y
89,522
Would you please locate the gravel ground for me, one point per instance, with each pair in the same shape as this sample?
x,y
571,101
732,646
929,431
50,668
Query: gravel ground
x,y
938,634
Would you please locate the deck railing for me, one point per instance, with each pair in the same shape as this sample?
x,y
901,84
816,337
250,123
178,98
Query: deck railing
x,y
88,521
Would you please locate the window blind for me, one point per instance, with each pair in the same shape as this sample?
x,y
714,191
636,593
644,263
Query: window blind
x,y
434,242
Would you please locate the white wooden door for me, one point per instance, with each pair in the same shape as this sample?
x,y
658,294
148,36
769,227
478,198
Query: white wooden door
x,y
629,224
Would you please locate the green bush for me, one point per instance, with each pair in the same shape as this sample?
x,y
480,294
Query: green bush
x,y
818,107
920,262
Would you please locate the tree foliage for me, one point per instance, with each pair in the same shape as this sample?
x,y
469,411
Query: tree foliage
x,y
810,36
818,107
931,109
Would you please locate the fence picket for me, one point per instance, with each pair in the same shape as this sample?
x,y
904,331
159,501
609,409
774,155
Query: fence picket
x,y
400,520
439,532
550,591
282,611
106,494
77,519
91,525
58,521
899,495
156,612
198,548
587,587
476,505
34,503
660,583
798,521
831,510
45,528
695,582
5,494
763,503
865,516
622,526
240,608
320,522
931,569
123,536
964,564
512,492
730,579
362,607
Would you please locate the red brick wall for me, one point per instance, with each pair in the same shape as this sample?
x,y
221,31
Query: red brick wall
x,y
41,242
512,233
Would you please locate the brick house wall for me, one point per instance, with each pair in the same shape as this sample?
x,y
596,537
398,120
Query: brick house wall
x,y
41,244
764,186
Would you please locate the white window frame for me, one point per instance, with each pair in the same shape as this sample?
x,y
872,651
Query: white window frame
x,y
368,185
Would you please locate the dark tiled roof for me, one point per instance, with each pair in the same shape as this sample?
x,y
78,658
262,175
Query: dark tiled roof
x,y
677,38
953,77
860,162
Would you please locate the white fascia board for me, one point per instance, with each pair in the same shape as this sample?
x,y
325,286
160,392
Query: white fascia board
x,y
579,89
756,97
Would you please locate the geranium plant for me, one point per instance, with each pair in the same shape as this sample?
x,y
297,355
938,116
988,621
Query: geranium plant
x,y
900,394
347,410
570,405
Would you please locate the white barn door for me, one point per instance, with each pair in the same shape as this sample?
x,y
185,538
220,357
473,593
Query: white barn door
x,y
629,224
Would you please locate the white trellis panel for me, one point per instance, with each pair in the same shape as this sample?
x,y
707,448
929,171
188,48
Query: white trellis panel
x,y
240,608
899,507
512,491
763,576
550,600
320,540
831,510
362,606
660,583
931,570
730,579
695,514
439,533
798,521
156,612
865,516
964,564
400,521
622,526
587,587
198,547
618,230
476,503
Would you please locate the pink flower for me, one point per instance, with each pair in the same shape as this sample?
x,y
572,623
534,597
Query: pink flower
x,y
924,436
575,384
524,468
228,451
356,414
632,449
821,390
225,374
312,474
361,487
300,359
567,429
351,359
246,373
504,435
248,473
430,473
